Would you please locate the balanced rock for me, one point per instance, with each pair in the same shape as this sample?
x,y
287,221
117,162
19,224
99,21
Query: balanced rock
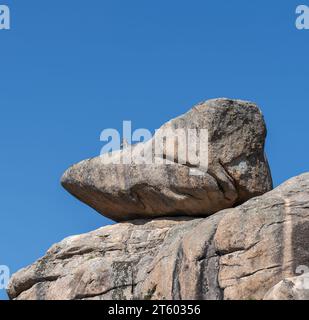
x,y
169,180
238,253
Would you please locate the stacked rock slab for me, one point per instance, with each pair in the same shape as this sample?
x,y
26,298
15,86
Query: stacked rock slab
x,y
239,253
237,168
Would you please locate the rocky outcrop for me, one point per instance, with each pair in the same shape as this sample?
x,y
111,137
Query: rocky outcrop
x,y
189,229
134,260
170,183
238,253
264,241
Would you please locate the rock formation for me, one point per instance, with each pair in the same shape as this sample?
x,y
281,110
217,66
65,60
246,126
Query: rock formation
x,y
237,168
251,249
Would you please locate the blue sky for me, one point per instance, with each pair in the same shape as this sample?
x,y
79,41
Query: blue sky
x,y
69,69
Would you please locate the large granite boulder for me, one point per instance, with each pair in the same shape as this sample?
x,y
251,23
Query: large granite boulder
x,y
238,253
173,182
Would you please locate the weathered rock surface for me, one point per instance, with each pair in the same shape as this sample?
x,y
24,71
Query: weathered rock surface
x,y
237,169
134,260
264,240
238,253
296,288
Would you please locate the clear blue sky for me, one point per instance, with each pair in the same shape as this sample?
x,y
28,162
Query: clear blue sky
x,y
69,69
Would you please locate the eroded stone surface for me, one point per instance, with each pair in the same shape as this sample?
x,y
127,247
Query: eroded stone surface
x,y
264,240
238,253
136,260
